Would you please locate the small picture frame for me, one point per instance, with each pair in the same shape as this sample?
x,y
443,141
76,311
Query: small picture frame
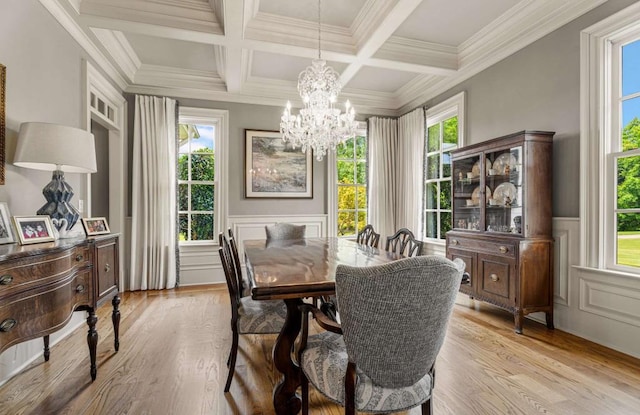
x,y
34,229
95,226
6,231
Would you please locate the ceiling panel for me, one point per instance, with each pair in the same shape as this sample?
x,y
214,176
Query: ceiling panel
x,y
174,53
334,12
283,67
380,79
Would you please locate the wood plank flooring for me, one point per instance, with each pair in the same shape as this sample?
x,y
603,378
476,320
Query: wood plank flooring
x,y
174,346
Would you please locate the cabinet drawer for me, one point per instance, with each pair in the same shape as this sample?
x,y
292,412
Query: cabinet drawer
x,y
26,273
469,260
496,275
495,248
44,309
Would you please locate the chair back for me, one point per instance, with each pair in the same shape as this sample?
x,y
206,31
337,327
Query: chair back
x,y
368,236
236,261
285,231
226,258
393,331
404,243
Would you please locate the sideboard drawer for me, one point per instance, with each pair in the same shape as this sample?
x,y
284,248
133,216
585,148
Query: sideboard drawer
x,y
477,245
26,316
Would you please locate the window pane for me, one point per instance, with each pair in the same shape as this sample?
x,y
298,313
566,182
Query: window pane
x,y
628,239
183,197
445,224
184,227
201,227
362,220
450,136
433,166
202,167
631,124
346,223
361,147
183,167
433,140
432,224
346,197
345,151
345,171
631,68
362,197
446,165
445,194
432,195
201,197
628,190
361,173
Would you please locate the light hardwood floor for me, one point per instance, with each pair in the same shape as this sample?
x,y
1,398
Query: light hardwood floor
x,y
174,345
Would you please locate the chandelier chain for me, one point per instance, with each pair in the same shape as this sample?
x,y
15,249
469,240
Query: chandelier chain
x,y
319,31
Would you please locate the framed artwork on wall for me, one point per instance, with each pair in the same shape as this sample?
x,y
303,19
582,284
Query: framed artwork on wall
x,y
3,74
95,226
34,229
274,169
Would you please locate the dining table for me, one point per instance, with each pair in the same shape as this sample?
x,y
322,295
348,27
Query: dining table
x,y
291,270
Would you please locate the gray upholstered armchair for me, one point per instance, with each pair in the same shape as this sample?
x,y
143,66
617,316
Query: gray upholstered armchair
x,y
381,359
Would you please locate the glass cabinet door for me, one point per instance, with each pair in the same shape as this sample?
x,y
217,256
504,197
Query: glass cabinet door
x,y
503,178
468,196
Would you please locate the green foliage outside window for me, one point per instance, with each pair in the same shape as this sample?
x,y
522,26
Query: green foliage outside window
x,y
629,178
352,191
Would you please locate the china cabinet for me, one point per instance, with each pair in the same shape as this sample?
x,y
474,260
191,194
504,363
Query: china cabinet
x,y
501,222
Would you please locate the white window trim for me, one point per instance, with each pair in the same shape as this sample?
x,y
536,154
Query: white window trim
x,y
332,188
597,124
446,109
220,119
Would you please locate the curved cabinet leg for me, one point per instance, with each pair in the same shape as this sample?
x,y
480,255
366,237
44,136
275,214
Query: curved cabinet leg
x,y
47,352
519,317
115,318
549,318
285,399
92,341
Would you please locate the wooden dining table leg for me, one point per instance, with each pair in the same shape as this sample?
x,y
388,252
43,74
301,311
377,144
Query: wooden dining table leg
x,y
285,399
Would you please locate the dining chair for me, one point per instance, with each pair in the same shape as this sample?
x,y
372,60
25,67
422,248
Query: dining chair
x,y
282,231
390,350
403,240
368,236
243,283
247,315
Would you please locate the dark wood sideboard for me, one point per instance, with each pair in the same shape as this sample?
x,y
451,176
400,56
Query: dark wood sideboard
x,y
42,285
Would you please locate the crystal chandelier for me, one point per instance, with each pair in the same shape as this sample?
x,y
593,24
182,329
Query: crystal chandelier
x,y
319,126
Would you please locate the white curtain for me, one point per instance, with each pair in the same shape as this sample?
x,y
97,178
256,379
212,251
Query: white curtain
x,y
409,171
153,230
383,141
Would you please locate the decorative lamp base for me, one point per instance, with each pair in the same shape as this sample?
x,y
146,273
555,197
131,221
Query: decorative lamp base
x,y
58,194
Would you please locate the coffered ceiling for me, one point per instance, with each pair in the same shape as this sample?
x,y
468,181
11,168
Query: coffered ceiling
x,y
392,55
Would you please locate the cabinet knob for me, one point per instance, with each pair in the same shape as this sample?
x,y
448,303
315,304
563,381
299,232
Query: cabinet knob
x,y
107,267
454,242
80,288
79,257
494,277
6,280
466,278
503,249
7,325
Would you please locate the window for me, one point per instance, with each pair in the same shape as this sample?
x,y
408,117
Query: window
x,y
443,134
351,166
201,143
610,161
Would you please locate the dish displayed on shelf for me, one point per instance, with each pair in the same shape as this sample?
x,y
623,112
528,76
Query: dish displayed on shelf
x,y
504,160
504,191
475,196
476,167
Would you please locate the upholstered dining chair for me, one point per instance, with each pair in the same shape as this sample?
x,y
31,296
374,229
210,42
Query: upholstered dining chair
x,y
243,284
368,236
247,316
404,243
282,231
389,343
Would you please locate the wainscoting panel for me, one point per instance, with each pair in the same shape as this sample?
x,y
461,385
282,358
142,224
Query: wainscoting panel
x,y
618,302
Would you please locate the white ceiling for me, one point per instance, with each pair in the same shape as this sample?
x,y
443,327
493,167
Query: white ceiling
x,y
392,55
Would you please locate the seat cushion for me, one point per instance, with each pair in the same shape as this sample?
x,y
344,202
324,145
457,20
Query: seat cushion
x,y
260,317
324,363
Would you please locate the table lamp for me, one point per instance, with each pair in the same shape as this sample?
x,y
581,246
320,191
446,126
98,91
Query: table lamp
x,y
59,148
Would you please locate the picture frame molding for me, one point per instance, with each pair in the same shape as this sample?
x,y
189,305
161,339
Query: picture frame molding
x,y
250,193
88,228
20,221
5,222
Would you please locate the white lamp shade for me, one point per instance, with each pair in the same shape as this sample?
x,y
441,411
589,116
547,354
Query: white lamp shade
x,y
43,146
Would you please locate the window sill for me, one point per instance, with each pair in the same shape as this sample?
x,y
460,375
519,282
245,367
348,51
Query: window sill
x,y
608,272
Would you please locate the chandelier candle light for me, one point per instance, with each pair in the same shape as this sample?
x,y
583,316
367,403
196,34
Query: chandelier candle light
x,y
319,126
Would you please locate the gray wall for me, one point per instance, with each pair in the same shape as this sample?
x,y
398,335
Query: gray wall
x,y
100,179
537,88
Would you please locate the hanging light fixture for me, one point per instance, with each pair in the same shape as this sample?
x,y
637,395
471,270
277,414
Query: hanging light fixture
x,y
319,126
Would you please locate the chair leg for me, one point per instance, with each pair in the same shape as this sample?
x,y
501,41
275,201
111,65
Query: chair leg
x,y
304,384
427,407
232,360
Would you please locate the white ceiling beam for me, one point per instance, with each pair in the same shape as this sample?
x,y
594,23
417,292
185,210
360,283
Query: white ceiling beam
x,y
234,28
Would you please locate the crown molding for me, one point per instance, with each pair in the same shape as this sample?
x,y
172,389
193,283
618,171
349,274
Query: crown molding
x,y
117,45
178,78
370,17
421,57
67,21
